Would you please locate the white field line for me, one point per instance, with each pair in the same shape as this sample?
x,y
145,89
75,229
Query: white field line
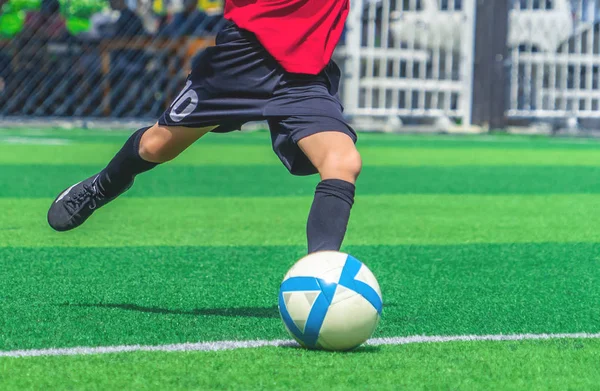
x,y
34,140
232,345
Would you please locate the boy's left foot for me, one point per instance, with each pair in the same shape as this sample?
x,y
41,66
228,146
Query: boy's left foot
x,y
77,203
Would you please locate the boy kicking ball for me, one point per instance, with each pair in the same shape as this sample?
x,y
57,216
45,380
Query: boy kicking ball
x,y
272,62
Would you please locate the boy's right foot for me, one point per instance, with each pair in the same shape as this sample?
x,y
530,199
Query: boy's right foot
x,y
77,203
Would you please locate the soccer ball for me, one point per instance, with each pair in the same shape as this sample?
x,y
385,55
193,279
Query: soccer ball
x,y
330,300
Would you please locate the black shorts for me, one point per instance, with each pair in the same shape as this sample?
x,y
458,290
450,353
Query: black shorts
x,y
237,81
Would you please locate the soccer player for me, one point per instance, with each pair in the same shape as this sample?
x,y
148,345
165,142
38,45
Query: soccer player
x,y
272,62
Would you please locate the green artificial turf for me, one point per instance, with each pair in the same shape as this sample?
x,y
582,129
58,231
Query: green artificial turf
x,y
158,295
211,154
248,221
466,235
191,181
531,365
500,140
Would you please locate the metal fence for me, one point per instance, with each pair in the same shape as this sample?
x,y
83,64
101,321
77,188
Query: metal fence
x,y
405,61
122,66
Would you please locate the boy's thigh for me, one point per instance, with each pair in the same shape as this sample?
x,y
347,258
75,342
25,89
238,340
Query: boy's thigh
x,y
161,143
175,135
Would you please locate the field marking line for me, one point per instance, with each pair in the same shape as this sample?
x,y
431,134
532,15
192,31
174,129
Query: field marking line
x,y
232,345
33,140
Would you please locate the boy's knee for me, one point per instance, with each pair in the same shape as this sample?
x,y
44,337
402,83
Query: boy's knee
x,y
155,146
155,152
346,166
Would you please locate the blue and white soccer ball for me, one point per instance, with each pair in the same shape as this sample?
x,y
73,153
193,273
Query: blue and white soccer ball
x,y
330,300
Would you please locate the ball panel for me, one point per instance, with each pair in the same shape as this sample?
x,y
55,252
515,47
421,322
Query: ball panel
x,y
317,264
315,321
348,324
342,293
365,275
351,270
288,322
297,339
331,276
299,305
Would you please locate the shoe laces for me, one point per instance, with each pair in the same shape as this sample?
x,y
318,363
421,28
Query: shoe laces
x,y
89,193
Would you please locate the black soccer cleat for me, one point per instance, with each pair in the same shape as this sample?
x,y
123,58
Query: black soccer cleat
x,y
77,203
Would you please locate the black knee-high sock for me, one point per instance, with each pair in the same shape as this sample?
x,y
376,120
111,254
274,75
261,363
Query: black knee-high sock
x,y
126,164
329,215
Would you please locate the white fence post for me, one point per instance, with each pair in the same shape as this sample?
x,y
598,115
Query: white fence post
x,y
352,57
468,51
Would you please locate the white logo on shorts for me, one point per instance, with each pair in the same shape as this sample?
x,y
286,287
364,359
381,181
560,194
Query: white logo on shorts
x,y
188,95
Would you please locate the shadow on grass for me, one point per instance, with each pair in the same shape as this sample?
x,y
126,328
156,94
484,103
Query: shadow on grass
x,y
249,312
245,312
359,350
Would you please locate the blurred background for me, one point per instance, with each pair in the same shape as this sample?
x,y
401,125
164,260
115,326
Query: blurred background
x,y
432,65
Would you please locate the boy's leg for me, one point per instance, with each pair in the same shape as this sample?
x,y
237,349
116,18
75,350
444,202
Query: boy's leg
x,y
338,162
230,84
145,149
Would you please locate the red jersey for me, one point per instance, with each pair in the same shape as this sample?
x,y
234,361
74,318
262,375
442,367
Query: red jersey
x,y
300,34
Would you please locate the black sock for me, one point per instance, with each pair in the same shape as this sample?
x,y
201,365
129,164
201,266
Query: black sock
x,y
329,215
126,164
